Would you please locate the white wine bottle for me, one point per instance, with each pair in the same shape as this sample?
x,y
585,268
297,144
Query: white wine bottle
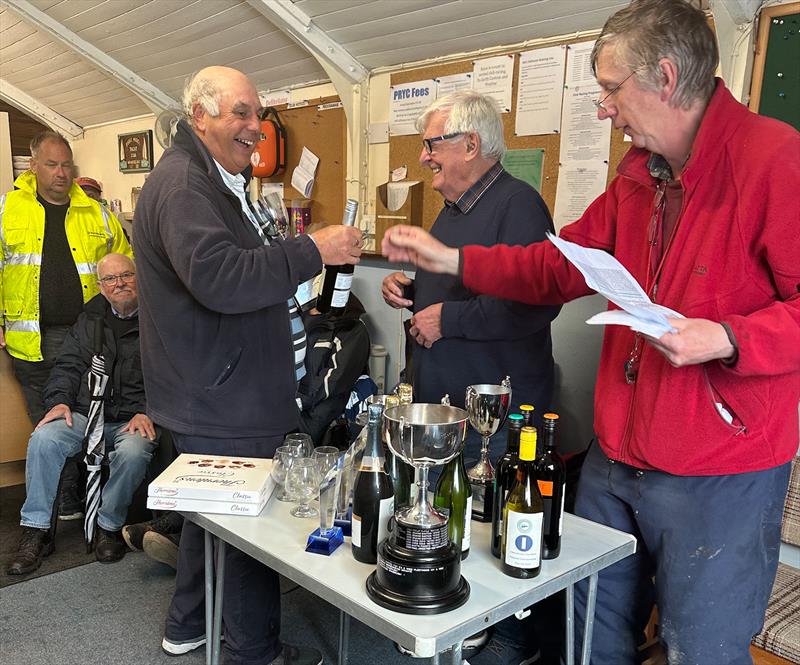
x,y
523,515
338,279
454,494
373,496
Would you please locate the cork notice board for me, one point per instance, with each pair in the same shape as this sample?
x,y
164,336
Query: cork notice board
x,y
323,132
406,149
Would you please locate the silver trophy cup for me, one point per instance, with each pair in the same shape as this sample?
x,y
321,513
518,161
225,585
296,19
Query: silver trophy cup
x,y
487,405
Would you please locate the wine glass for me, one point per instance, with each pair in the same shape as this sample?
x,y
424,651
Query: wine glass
x,y
325,457
282,461
302,481
301,441
273,203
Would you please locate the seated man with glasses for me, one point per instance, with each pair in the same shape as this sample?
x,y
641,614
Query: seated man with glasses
x,y
130,436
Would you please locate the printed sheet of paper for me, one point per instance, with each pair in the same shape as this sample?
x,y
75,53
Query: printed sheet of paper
x,y
268,187
540,90
303,174
493,77
579,183
447,84
406,104
525,165
606,275
583,136
579,64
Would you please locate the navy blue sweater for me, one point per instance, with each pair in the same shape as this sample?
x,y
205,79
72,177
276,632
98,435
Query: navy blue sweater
x,y
485,339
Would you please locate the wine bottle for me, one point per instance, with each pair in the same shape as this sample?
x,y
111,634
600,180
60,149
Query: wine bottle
x,y
523,515
454,494
527,414
504,476
373,498
405,392
551,475
398,470
338,279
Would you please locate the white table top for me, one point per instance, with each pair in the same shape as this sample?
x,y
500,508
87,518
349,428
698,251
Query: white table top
x,y
278,540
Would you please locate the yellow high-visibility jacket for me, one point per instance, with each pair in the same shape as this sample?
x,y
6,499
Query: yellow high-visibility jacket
x,y
92,232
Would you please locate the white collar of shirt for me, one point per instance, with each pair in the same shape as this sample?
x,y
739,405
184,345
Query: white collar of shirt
x,y
236,183
133,314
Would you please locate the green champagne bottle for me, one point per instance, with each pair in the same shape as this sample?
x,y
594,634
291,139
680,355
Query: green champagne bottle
x,y
523,516
454,494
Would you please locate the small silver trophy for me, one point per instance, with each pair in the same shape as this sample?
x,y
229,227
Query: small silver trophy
x,y
487,405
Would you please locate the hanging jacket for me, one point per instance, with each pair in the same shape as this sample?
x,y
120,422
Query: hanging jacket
x,y
68,384
734,258
92,232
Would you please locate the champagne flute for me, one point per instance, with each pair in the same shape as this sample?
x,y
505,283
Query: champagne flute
x,y
301,441
303,482
282,461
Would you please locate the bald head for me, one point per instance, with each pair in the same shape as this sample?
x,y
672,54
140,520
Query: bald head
x,y
207,86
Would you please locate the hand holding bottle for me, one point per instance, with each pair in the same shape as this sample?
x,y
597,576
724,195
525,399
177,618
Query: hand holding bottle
x,y
338,244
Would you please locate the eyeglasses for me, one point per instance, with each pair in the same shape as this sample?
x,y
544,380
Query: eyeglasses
x,y
428,143
110,280
599,103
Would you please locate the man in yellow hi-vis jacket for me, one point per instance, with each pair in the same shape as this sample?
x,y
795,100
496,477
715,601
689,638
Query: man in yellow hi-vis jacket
x,y
51,237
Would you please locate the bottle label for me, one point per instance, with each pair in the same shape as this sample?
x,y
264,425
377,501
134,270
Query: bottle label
x,y
385,513
355,538
523,539
343,281
372,464
467,526
545,487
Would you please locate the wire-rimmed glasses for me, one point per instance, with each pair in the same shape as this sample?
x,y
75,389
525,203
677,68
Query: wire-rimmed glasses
x,y
600,103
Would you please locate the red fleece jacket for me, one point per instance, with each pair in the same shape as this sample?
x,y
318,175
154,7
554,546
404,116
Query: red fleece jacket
x,y
735,258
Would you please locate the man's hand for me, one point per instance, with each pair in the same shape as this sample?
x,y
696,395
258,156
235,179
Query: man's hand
x,y
142,425
426,325
392,290
697,341
58,412
411,244
338,244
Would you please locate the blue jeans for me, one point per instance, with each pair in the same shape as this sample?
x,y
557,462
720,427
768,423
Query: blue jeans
x,y
51,445
707,552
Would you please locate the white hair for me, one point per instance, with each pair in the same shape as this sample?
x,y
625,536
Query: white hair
x,y
204,90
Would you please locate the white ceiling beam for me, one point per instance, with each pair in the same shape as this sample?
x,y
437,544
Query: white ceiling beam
x,y
34,108
155,98
299,26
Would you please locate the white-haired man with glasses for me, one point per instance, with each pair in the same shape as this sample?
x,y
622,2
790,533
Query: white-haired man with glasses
x,y
130,436
696,429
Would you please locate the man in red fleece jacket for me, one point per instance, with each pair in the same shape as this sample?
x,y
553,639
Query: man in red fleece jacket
x,y
696,429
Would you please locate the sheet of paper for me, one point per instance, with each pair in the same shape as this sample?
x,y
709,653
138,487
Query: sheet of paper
x,y
493,77
606,275
540,90
274,97
579,64
447,84
579,183
269,187
303,174
406,104
583,136
525,165
397,193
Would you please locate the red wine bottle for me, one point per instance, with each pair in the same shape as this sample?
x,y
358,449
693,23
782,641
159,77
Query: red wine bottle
x,y
504,476
338,279
373,497
551,476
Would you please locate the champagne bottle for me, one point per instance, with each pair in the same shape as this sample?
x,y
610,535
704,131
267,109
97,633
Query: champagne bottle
x,y
504,476
454,494
398,470
373,498
551,475
338,279
523,515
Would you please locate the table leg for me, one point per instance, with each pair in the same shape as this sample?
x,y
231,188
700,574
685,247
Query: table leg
x,y
344,637
455,653
217,628
209,570
570,622
588,623
435,659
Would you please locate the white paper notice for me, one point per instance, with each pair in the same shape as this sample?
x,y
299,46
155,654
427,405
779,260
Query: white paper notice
x,y
606,275
493,77
303,175
539,94
270,187
447,84
274,97
579,64
583,136
579,184
397,193
406,104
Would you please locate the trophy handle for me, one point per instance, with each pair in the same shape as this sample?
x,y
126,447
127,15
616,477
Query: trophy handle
x,y
471,394
445,400
506,383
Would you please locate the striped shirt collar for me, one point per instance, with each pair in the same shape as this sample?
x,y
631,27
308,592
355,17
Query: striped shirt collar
x,y
468,199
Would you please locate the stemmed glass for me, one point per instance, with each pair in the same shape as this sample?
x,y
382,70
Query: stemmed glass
x,y
281,463
325,457
301,441
302,482
272,202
